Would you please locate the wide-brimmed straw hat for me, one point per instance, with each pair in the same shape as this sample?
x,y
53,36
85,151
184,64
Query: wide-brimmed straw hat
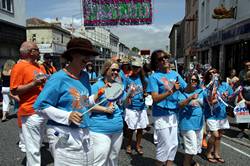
x,y
81,45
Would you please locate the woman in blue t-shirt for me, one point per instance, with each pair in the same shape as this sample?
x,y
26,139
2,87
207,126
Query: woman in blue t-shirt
x,y
135,112
106,130
215,112
191,118
164,85
65,100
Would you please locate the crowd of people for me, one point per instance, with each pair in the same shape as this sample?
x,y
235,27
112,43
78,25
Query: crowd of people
x,y
84,127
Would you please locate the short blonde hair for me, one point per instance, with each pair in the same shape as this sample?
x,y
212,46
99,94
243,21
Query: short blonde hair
x,y
106,66
8,65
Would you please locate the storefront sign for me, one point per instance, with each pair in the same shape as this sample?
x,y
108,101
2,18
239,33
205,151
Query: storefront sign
x,y
51,48
45,48
117,12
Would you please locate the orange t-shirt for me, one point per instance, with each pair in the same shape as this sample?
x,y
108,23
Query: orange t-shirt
x,y
51,69
23,73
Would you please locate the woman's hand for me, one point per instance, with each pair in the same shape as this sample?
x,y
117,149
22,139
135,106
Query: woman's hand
x,y
109,110
75,117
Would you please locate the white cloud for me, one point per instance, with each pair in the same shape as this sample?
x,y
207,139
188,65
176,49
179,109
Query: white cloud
x,y
144,37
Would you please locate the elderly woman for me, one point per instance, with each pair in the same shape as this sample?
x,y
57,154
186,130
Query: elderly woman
x,y
164,85
191,118
215,112
64,100
107,129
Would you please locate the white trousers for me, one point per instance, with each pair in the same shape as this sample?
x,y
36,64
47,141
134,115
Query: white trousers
x,y
70,146
21,139
6,99
31,128
167,143
106,148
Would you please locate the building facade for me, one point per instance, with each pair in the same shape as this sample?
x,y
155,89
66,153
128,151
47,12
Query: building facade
x,y
224,42
114,41
12,28
190,33
176,37
50,38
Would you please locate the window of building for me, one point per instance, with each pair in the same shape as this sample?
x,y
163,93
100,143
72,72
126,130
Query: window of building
x,y
202,14
7,5
33,37
61,38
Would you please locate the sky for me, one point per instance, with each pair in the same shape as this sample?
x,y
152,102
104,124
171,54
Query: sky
x,y
154,36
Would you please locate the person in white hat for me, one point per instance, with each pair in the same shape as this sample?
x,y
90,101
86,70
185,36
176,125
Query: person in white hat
x,y
135,112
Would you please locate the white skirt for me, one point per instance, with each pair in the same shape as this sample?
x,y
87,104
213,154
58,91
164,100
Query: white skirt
x,y
192,141
136,119
215,125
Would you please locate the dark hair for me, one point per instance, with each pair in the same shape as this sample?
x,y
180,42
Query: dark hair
x,y
154,59
189,88
47,56
207,75
68,56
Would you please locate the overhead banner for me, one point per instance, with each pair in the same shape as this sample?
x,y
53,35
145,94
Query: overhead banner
x,y
117,12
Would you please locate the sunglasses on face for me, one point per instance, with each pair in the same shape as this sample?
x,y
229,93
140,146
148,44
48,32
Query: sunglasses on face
x,y
165,58
136,67
115,70
194,80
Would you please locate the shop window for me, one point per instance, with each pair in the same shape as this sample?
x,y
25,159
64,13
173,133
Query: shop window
x,y
7,5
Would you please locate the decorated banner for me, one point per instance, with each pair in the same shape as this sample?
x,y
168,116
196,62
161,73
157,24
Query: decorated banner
x,y
117,12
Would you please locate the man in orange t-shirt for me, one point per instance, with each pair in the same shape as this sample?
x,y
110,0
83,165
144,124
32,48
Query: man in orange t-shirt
x,y
26,81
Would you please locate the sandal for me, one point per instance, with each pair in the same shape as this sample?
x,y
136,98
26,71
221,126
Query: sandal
x,y
139,151
219,159
212,160
129,150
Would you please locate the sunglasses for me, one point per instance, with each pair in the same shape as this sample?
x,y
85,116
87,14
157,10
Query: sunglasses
x,y
165,58
115,70
194,80
136,67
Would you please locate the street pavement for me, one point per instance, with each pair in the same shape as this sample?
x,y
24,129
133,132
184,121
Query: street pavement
x,y
236,152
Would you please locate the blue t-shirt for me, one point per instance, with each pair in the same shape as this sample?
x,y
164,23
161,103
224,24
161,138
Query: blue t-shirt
x,y
124,78
162,82
104,122
191,117
66,93
218,110
137,101
92,75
